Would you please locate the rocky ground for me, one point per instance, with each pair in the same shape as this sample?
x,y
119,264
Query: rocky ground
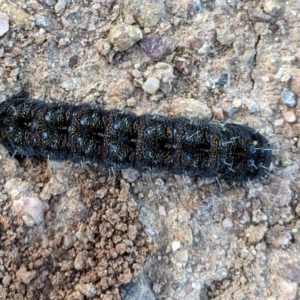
x,y
72,233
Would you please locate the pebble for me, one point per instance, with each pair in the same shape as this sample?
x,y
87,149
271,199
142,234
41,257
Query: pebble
x,y
176,246
42,21
237,103
4,24
124,36
25,276
290,116
60,7
278,122
6,280
222,80
103,47
146,12
291,269
49,2
272,7
87,289
195,43
156,46
141,289
288,290
122,89
80,260
69,84
151,85
227,223
130,174
257,15
254,234
218,113
131,102
289,98
254,107
17,16
30,206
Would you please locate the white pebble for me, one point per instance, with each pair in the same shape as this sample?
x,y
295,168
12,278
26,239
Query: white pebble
x,y
4,26
30,206
151,85
227,223
175,246
290,117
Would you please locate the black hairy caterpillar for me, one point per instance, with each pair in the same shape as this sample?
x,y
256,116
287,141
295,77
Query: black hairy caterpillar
x,y
120,139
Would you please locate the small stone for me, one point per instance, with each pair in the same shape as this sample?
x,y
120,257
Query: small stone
x,y
122,89
75,296
278,122
87,289
182,65
25,276
162,211
6,280
297,210
40,36
279,237
227,223
258,216
288,290
49,2
103,46
17,16
30,206
195,43
257,15
29,222
60,7
254,107
254,234
222,80
124,36
10,62
237,103
80,260
129,19
151,85
289,98
69,84
182,257
176,246
4,24
272,7
130,174
296,129
101,193
291,269
156,46
290,116
164,72
42,21
73,61
146,12
218,113
131,102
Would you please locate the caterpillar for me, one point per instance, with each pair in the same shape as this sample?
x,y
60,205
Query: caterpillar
x,y
120,139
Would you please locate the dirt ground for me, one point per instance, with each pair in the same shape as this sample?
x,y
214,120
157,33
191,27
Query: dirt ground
x,y
82,233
